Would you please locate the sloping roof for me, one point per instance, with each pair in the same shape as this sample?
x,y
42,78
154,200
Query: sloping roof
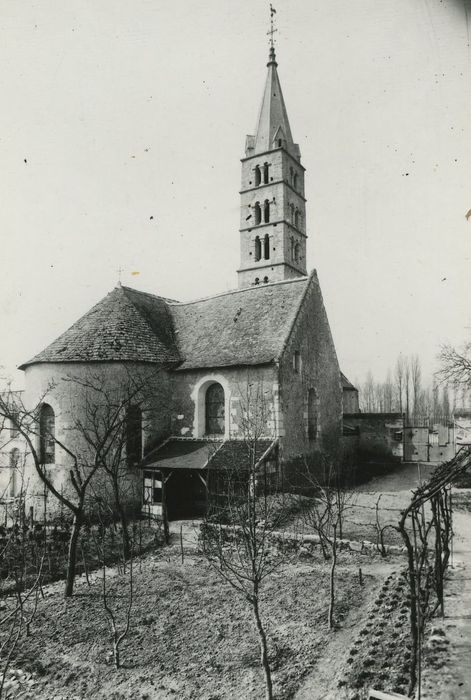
x,y
190,453
346,383
180,453
243,327
126,325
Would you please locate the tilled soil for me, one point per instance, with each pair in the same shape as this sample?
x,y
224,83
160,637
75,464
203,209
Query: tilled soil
x,y
191,634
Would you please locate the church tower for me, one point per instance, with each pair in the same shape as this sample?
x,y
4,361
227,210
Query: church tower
x,y
273,207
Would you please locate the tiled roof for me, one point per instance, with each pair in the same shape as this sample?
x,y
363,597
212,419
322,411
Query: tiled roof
x,y
124,326
189,453
346,383
243,327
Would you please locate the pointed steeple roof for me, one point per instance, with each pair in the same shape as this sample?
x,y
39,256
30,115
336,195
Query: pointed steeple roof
x,y
273,124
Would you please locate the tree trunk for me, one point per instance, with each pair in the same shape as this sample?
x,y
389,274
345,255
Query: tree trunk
x,y
124,522
263,650
332,578
72,558
164,510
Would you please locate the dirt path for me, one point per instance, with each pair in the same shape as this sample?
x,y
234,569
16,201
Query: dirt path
x,y
447,672
321,683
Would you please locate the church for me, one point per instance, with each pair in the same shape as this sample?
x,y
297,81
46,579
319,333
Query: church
x,y
261,354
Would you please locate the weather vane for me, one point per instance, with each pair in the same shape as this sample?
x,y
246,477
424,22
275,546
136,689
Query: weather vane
x,y
272,25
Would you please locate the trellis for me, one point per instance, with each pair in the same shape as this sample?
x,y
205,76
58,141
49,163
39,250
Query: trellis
x,y
428,541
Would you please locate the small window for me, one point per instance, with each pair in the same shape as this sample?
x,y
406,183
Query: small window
x,y
47,432
297,248
297,361
257,280
133,435
265,280
258,213
258,175
291,212
312,415
296,218
265,173
280,143
295,181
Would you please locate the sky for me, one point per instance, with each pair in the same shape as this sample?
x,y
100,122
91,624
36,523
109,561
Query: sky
x,y
121,131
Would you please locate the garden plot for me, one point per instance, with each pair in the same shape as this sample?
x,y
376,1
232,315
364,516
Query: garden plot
x,y
191,635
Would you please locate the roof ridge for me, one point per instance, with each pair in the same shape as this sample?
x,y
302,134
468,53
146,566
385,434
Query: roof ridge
x,y
148,294
237,291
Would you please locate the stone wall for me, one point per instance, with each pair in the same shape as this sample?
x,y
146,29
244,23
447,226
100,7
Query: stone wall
x,y
68,389
380,436
253,388
317,369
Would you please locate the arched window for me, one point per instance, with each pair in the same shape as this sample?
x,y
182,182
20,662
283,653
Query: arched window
x,y
258,248
266,211
14,461
291,173
258,175
280,143
291,212
292,247
295,181
312,414
296,218
296,252
214,405
265,173
266,247
47,431
133,435
258,213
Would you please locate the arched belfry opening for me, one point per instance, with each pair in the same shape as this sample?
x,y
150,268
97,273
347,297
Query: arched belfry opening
x,y
258,213
258,248
266,211
258,175
215,422
266,247
266,173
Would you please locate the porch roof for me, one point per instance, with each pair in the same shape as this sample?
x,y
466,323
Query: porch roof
x,y
190,453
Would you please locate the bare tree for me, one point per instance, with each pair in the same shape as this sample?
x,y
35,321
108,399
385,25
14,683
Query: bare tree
x,y
330,501
399,378
108,590
236,532
455,365
416,382
80,471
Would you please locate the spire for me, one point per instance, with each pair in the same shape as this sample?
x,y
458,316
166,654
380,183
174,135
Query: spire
x,y
273,127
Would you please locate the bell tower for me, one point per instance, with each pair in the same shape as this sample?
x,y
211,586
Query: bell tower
x,y
273,207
